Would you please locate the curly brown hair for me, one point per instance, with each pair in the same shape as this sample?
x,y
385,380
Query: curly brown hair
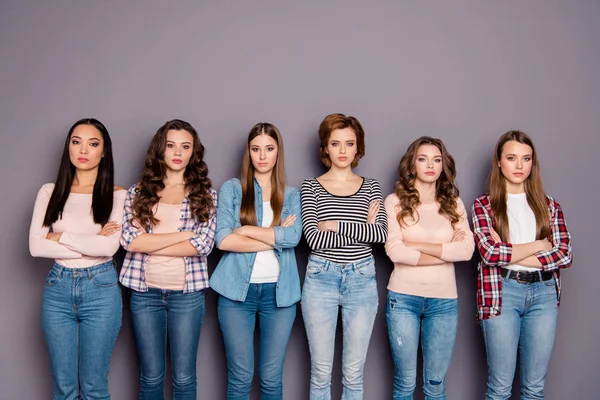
x,y
197,184
446,191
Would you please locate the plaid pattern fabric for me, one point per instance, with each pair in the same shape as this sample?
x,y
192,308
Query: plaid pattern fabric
x,y
196,270
496,255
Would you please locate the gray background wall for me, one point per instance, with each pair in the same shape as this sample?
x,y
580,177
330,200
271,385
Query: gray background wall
x,y
464,71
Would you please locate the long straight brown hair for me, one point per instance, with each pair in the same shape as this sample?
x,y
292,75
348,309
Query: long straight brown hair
x,y
247,211
534,190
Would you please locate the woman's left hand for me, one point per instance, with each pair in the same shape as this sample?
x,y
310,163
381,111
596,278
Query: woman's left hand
x,y
54,236
328,226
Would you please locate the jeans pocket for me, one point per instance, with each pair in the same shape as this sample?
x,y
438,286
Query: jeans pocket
x,y
52,278
367,270
313,269
106,279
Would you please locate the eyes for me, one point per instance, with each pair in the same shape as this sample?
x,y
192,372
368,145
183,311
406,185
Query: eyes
x,y
76,142
185,146
336,144
513,158
269,149
435,160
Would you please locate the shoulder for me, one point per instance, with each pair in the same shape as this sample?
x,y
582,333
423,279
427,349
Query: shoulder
x,y
483,200
231,189
118,188
392,201
47,188
291,190
553,205
371,183
309,184
232,184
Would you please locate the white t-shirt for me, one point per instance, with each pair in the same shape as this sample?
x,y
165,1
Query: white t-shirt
x,y
521,223
266,264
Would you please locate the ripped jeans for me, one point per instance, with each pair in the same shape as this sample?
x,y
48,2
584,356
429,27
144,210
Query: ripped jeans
x,y
434,321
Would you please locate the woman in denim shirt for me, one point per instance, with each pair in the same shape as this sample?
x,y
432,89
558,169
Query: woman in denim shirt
x,y
258,226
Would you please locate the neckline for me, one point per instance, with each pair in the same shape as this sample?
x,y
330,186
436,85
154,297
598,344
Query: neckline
x,y
336,195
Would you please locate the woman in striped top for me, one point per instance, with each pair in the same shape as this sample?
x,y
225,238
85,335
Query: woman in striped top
x,y
342,215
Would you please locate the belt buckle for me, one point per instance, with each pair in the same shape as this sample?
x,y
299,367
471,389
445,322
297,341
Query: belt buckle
x,y
518,278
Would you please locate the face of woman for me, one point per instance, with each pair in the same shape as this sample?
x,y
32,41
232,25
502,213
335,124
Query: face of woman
x,y
86,147
263,153
428,163
515,163
178,150
341,147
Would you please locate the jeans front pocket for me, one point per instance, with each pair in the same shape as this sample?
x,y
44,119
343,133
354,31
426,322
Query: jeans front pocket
x,y
107,278
53,278
367,270
314,269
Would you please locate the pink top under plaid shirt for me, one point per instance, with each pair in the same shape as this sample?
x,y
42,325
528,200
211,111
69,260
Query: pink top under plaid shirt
x,y
495,255
196,271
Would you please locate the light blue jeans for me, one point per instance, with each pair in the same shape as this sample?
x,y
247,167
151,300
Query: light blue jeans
x,y
327,287
81,318
526,327
432,320
156,315
237,320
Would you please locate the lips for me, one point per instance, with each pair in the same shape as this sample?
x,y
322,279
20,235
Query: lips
x,y
518,174
263,164
82,160
176,161
430,173
343,158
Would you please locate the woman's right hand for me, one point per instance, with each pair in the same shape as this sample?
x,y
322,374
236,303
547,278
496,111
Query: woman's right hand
x,y
546,244
458,235
373,211
109,228
289,221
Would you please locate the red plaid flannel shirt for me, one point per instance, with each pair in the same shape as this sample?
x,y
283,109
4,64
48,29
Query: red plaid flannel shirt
x,y
495,255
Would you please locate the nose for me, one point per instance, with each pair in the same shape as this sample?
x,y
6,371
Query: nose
x,y
519,164
83,150
342,149
263,154
177,151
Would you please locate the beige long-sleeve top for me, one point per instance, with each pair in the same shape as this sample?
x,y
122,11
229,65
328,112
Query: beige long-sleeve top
x,y
435,281
79,246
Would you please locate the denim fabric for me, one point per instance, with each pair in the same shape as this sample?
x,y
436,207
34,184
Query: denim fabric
x,y
434,322
327,287
527,326
231,278
237,320
81,318
160,314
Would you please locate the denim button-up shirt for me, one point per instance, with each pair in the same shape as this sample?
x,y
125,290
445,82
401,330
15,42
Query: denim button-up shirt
x,y
231,278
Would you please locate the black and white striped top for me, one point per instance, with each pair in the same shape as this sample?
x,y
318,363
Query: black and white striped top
x,y
352,242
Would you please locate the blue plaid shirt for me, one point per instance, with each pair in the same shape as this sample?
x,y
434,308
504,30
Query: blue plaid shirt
x,y
196,272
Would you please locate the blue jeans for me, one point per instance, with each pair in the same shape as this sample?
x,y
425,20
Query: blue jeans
x,y
81,318
237,320
156,314
432,320
527,325
327,287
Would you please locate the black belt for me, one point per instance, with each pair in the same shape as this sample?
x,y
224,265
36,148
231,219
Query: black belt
x,y
526,276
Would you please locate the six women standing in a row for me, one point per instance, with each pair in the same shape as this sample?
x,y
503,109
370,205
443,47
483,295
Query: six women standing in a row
x,y
170,220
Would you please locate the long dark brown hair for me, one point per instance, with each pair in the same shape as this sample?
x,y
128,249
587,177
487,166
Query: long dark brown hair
x,y
102,197
446,191
197,184
247,211
534,190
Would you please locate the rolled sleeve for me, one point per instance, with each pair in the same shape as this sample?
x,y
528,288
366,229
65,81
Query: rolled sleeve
x,y
225,213
129,231
289,237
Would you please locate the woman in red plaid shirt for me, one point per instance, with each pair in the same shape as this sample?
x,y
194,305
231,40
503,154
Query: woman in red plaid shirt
x,y
523,240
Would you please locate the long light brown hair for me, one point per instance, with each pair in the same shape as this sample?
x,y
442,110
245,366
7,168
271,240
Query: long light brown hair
x,y
247,211
446,191
534,190
197,184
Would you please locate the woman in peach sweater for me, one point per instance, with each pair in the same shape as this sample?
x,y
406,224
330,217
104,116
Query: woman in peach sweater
x,y
428,232
77,222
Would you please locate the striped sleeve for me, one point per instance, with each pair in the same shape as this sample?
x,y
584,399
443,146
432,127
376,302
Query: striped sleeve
x,y
316,239
364,232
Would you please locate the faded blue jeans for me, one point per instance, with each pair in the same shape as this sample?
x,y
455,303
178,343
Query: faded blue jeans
x,y
434,321
237,320
327,287
156,315
526,326
81,318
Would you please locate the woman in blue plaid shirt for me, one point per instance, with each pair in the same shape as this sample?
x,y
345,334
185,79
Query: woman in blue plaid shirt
x,y
168,229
